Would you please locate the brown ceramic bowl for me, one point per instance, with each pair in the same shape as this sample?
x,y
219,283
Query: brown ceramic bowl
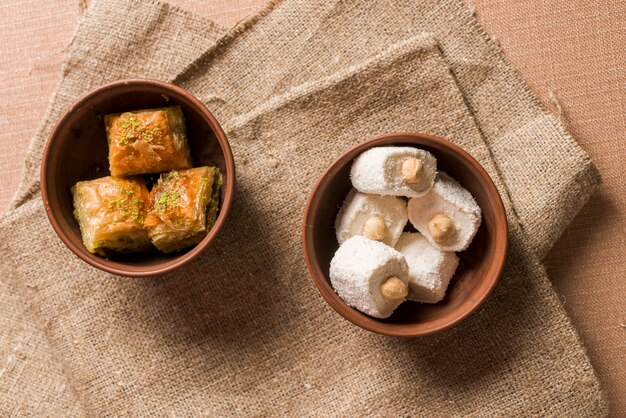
x,y
77,150
479,267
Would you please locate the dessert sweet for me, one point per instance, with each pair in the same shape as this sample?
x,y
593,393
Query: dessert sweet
x,y
448,216
369,276
183,207
394,171
378,265
111,212
430,269
381,218
147,141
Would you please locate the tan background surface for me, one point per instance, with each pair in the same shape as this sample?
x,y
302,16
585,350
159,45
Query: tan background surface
x,y
575,49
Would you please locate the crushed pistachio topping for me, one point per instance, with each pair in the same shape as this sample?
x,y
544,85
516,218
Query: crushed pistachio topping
x,y
115,203
135,211
170,191
132,130
166,199
129,207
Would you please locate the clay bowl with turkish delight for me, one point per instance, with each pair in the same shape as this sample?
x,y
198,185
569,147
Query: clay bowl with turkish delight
x,y
137,177
405,235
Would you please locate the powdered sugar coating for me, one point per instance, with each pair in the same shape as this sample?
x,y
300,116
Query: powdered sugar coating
x,y
450,190
448,197
359,207
430,269
357,270
379,171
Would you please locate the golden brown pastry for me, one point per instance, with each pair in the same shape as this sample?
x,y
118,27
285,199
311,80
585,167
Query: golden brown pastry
x,y
111,212
147,141
183,207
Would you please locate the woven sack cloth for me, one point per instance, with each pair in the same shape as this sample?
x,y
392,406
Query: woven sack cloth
x,y
241,330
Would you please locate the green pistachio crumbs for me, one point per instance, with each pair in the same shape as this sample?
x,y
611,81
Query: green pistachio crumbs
x,y
133,131
166,199
129,207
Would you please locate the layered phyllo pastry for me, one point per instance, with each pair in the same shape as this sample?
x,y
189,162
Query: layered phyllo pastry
x,y
111,213
183,207
147,141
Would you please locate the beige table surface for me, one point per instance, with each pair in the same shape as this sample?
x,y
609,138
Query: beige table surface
x,y
575,49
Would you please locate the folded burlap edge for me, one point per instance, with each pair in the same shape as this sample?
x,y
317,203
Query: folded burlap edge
x,y
588,178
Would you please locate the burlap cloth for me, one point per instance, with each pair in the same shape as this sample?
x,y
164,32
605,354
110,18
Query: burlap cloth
x,y
242,331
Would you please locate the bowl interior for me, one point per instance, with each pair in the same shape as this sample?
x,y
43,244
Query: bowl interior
x,y
77,150
479,266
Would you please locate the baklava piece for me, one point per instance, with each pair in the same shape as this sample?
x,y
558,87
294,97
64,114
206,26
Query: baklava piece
x,y
183,207
147,141
111,212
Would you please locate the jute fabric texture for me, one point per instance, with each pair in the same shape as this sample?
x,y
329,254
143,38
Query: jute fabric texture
x,y
242,331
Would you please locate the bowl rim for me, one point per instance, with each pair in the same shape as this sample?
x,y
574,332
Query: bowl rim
x,y
373,324
229,185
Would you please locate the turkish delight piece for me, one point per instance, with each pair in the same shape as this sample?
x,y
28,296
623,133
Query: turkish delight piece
x,y
430,269
448,216
381,218
369,276
394,171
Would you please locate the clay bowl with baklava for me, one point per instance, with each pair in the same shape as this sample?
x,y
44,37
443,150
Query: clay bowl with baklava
x,y
137,177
